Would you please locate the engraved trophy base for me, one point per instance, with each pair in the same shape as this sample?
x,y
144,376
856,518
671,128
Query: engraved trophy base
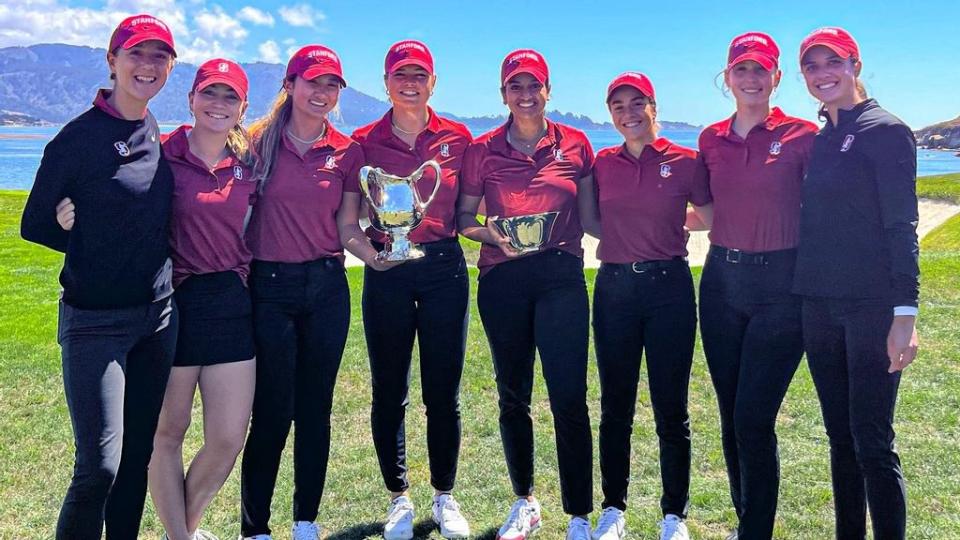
x,y
399,248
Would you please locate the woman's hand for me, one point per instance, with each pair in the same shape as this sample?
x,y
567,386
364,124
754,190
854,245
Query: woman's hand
x,y
902,342
381,265
66,214
497,239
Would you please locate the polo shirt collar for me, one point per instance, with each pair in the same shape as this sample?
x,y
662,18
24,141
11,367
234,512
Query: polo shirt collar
x,y
770,123
650,151
331,138
177,149
846,116
384,127
100,102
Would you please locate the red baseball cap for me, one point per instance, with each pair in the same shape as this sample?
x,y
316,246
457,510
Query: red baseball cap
x,y
836,39
406,53
222,71
313,61
524,61
139,28
755,46
633,79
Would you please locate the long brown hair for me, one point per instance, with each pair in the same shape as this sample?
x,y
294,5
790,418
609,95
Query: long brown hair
x,y
266,135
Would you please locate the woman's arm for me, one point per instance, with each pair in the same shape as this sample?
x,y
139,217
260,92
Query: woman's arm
x,y
39,223
587,206
469,226
699,218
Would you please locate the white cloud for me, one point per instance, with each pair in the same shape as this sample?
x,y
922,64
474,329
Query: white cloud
x,y
301,15
292,49
216,23
255,16
200,50
269,52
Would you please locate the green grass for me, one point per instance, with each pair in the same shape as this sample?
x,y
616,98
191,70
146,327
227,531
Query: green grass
x,y
943,187
36,442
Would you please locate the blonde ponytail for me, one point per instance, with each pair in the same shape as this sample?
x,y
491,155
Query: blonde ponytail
x,y
266,135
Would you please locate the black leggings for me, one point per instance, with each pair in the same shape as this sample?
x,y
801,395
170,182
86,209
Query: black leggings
x,y
115,368
539,303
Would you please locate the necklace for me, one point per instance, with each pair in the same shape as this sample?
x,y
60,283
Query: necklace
x,y
530,144
307,142
401,130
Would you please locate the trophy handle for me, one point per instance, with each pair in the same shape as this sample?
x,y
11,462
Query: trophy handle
x,y
366,171
415,177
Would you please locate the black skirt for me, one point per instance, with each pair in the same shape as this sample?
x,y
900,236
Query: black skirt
x,y
216,323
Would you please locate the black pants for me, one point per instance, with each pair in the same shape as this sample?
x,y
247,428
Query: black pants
x,y
648,307
425,299
846,342
301,313
539,303
115,368
750,326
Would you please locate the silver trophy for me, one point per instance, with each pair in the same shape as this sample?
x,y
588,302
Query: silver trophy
x,y
527,233
397,208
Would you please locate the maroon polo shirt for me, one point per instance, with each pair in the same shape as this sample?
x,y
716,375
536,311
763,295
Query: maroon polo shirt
x,y
514,184
643,202
209,206
755,182
294,220
443,141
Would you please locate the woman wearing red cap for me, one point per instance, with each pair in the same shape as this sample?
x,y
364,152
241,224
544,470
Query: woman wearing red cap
x,y
534,301
424,298
213,182
643,298
118,321
749,320
858,273
301,301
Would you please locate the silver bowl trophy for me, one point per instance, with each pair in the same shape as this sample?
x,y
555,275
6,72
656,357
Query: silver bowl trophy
x,y
526,233
397,208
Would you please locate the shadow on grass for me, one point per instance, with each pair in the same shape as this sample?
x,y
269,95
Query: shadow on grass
x,y
424,529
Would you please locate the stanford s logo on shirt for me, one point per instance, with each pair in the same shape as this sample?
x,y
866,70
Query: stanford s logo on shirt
x,y
238,172
558,154
847,143
665,171
445,150
122,148
330,163
775,148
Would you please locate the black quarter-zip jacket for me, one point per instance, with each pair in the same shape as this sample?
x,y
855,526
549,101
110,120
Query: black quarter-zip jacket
x,y
858,224
114,171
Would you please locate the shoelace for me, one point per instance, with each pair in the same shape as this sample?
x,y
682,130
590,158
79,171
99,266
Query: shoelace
x,y
395,510
670,526
450,504
608,519
518,514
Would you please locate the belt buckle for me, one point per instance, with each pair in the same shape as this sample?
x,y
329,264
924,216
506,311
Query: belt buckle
x,y
636,269
733,260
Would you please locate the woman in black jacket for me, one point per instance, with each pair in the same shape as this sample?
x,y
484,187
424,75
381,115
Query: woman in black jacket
x,y
857,270
118,323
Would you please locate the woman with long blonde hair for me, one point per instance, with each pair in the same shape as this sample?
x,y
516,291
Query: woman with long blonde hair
x,y
301,301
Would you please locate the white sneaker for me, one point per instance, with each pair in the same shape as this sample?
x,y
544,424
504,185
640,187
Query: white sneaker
x,y
201,534
611,525
255,537
446,514
522,522
673,528
734,535
578,529
399,524
306,530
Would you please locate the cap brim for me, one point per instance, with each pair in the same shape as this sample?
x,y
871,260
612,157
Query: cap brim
x,y
645,91
411,62
537,74
313,72
764,60
137,39
842,52
222,80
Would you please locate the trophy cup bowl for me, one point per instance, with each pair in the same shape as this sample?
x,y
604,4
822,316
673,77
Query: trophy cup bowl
x,y
396,208
527,233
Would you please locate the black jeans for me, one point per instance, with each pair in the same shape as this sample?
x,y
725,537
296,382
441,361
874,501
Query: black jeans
x,y
750,326
846,342
539,303
301,312
425,299
647,307
115,368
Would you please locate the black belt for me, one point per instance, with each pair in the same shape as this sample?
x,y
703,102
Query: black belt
x,y
736,256
645,266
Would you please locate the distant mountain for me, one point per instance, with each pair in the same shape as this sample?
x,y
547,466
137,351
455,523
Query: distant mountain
x,y
55,82
942,135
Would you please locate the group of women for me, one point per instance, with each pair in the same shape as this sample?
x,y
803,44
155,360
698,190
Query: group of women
x,y
187,257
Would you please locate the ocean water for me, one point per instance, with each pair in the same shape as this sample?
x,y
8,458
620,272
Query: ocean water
x,y
22,147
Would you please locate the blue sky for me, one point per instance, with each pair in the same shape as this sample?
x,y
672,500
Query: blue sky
x,y
910,61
